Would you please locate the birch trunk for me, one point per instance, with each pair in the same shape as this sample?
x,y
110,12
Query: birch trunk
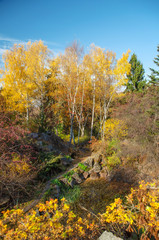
x,y
92,122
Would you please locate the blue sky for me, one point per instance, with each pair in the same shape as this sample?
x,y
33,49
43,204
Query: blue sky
x,y
115,25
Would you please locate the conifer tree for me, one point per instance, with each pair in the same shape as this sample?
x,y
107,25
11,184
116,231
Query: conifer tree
x,y
154,77
136,80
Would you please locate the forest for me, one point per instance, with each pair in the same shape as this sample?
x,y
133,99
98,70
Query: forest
x,y
79,144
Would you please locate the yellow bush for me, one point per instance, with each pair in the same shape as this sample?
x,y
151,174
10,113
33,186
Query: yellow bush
x,y
115,128
141,211
51,221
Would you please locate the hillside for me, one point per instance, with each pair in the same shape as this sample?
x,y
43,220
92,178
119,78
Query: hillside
x,y
90,176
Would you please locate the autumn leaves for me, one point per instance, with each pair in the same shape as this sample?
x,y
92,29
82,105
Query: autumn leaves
x,y
77,88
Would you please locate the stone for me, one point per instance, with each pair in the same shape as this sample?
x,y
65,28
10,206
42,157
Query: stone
x,y
48,148
65,181
39,144
77,177
103,175
85,175
56,191
94,176
97,157
89,162
66,161
97,167
34,135
108,236
45,137
72,182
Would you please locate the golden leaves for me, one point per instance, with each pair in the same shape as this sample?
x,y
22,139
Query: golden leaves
x,y
55,221
140,210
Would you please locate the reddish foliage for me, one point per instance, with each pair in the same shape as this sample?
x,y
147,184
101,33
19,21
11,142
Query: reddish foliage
x,y
14,152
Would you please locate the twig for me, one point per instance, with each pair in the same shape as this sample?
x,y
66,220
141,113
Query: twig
x,y
89,212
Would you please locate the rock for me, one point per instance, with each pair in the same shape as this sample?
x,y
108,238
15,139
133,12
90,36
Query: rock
x,y
73,182
103,175
89,162
34,135
97,157
39,144
45,137
48,148
65,181
56,191
85,175
76,176
94,176
108,236
66,161
97,167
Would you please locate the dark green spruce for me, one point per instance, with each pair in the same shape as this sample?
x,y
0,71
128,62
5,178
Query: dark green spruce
x,y
154,77
136,80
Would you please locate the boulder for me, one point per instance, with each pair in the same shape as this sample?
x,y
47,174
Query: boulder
x,y
85,175
72,182
39,144
89,162
48,148
108,236
97,167
34,135
103,175
94,175
65,181
66,161
45,137
76,176
97,157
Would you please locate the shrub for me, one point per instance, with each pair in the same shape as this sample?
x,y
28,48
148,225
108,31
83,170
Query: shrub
x,y
17,156
115,128
49,221
140,212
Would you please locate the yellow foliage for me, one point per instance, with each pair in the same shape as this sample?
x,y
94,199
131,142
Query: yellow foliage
x,y
24,76
54,221
115,128
140,210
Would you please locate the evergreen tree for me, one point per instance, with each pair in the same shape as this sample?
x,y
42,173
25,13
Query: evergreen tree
x,y
154,77
136,80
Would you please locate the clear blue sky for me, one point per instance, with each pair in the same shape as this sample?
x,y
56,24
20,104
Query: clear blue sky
x,y
116,25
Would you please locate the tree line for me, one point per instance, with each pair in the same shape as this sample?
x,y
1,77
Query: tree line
x,y
70,91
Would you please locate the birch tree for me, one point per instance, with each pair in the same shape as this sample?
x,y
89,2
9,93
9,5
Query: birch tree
x,y
24,76
70,70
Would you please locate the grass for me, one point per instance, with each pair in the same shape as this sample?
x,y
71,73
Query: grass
x,y
70,194
85,138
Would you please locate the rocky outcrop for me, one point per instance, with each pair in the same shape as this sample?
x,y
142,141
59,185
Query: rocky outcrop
x,y
49,142
108,236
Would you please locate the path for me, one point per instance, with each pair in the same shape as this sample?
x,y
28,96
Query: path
x,y
86,154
